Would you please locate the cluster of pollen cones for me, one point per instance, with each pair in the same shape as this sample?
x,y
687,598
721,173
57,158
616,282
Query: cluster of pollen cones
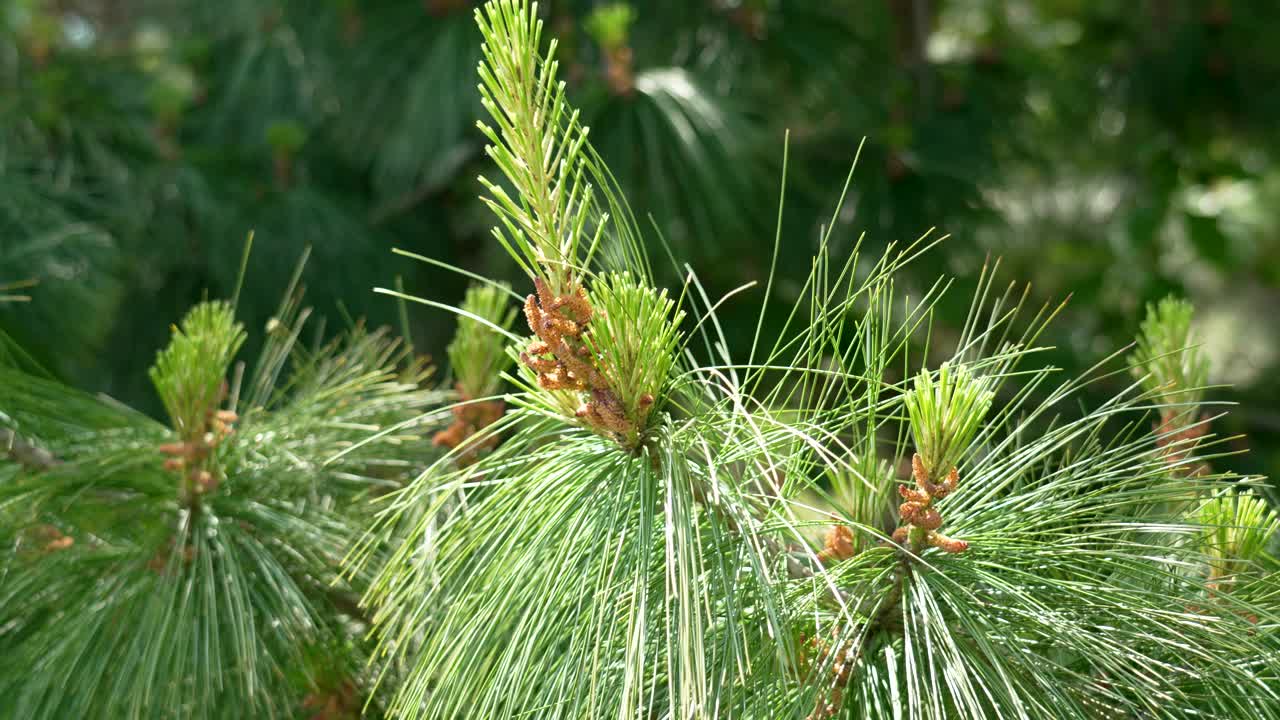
x,y
563,361
919,530
1179,435
920,521
189,455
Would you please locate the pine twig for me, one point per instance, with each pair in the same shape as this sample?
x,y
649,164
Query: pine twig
x,y
26,454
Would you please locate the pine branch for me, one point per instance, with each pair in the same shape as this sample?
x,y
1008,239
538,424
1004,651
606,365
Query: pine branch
x,y
228,579
593,344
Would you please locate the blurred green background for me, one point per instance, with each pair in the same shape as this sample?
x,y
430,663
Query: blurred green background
x,y
1112,150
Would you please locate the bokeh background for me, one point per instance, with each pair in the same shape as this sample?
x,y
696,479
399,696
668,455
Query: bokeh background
x,y
1114,151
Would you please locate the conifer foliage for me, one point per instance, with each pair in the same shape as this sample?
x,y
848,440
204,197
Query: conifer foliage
x,y
187,570
610,514
655,536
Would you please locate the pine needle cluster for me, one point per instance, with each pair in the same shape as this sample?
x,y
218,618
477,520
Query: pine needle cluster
x,y
1238,528
1168,356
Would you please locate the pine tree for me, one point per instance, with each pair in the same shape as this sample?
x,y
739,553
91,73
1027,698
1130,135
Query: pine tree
x,y
639,545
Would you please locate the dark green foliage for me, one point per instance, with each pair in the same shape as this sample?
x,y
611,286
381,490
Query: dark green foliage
x,y
1112,153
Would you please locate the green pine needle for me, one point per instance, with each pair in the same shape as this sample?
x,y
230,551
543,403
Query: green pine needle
x,y
636,336
538,144
1238,528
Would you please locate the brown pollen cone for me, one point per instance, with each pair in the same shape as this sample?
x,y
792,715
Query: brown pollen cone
x,y
470,418
49,538
339,703
440,8
619,71
839,545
